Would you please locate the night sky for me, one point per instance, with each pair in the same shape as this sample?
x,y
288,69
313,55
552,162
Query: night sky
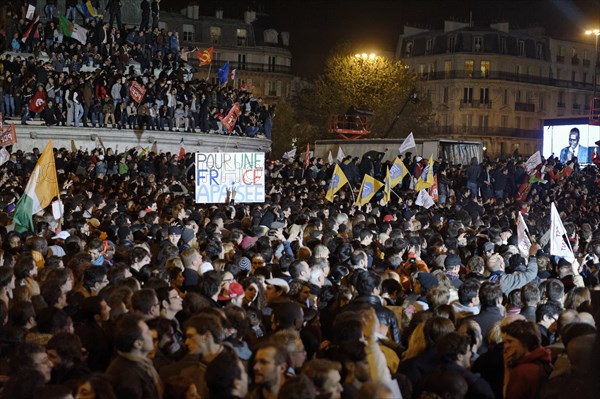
x,y
318,26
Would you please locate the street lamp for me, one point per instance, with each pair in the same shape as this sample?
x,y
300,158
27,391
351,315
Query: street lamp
x,y
596,33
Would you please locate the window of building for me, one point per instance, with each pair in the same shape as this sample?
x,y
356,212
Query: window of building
x,y
478,44
431,68
421,69
558,73
451,43
215,34
573,76
575,102
469,66
484,95
504,121
241,37
445,96
521,44
241,61
188,32
447,68
483,122
272,62
408,49
467,121
270,36
518,69
542,105
517,122
273,88
539,51
505,97
561,98
518,96
485,69
503,45
468,95
429,46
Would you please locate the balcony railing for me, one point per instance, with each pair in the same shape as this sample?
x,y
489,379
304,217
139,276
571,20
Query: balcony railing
x,y
507,76
560,105
253,67
464,103
525,107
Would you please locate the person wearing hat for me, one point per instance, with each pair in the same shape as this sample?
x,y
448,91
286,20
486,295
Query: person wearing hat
x,y
188,239
234,294
453,263
276,291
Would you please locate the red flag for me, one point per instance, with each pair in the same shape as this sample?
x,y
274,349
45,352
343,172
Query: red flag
x,y
205,56
307,156
30,28
38,102
9,136
137,92
231,118
181,150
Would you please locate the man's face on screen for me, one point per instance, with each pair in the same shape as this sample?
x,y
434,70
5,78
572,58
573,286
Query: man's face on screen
x,y
573,140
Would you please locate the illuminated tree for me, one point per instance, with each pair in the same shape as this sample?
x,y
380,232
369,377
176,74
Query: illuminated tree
x,y
374,83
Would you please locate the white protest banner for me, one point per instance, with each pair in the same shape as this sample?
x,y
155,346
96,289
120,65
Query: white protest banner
x,y
559,245
218,173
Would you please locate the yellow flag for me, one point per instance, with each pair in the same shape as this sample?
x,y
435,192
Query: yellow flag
x,y
397,172
338,179
387,187
429,182
368,188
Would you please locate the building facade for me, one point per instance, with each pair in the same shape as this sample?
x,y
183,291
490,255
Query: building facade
x,y
259,54
498,85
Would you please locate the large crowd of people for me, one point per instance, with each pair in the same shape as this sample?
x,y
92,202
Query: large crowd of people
x,y
88,85
139,292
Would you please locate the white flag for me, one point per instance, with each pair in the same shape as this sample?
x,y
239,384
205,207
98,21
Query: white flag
x,y
424,199
30,12
409,142
4,156
523,236
340,155
559,245
533,162
330,158
290,154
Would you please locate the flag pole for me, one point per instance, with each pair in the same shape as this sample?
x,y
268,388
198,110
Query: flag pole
x,y
208,75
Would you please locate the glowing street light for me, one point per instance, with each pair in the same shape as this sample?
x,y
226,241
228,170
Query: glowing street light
x,y
596,33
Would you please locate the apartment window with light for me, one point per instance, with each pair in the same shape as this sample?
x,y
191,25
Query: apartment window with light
x,y
188,32
469,66
485,68
408,49
241,37
215,34
447,68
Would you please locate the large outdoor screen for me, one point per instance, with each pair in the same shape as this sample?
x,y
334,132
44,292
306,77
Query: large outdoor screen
x,y
566,141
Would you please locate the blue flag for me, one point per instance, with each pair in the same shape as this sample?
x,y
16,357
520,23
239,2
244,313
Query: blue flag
x,y
223,73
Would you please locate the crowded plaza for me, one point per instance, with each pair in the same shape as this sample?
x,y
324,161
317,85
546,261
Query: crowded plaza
x,y
361,277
